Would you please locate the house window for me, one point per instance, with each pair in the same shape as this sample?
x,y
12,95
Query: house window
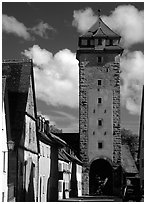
x,y
43,154
4,161
30,132
100,145
43,184
99,59
142,163
84,42
60,186
99,100
99,82
48,152
3,197
100,121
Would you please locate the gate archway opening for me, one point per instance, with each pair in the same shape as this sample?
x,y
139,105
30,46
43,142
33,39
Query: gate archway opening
x,y
101,178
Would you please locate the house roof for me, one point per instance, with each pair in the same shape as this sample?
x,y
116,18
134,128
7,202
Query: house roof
x,y
100,29
73,158
128,163
18,73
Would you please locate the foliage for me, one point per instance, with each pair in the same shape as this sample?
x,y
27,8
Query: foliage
x,y
131,140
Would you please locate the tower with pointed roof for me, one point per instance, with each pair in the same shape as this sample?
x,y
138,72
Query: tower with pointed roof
x,y
99,84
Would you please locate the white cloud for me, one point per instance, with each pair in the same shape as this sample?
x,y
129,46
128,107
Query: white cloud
x,y
126,20
84,19
132,67
42,29
12,25
56,77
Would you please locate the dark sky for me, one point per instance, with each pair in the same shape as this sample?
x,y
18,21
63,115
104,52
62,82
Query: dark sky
x,y
64,35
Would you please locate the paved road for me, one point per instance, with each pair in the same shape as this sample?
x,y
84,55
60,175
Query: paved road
x,y
93,199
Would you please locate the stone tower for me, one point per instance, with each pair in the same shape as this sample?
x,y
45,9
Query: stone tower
x,y
99,83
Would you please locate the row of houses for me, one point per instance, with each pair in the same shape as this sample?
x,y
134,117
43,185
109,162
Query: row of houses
x,y
37,163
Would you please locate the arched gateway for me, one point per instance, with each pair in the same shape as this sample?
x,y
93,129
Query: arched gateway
x,y
101,177
99,85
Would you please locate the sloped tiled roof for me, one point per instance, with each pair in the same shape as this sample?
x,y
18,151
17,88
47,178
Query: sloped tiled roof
x,y
128,163
100,29
18,81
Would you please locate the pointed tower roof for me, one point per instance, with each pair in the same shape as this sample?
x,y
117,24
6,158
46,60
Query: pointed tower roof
x,y
100,29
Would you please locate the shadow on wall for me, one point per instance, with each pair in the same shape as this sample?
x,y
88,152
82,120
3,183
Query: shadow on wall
x,y
52,183
73,184
29,195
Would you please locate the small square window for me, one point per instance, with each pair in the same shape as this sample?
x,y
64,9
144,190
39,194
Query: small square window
x,y
100,121
93,132
99,82
100,145
99,100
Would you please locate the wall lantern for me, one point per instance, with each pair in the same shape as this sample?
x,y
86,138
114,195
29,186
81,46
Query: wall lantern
x,y
11,145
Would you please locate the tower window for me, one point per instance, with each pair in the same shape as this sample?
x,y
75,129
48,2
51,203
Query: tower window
x,y
111,42
99,59
84,42
99,100
100,145
93,132
91,42
100,122
99,41
99,82
107,42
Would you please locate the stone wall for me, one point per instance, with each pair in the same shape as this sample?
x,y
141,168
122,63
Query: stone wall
x,y
88,80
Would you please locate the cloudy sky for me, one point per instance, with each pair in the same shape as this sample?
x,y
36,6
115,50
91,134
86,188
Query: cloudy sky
x,y
48,33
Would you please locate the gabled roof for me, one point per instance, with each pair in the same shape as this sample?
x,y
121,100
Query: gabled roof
x,y
128,163
100,29
18,82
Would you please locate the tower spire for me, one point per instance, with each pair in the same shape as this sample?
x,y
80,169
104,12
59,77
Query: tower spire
x,y
99,10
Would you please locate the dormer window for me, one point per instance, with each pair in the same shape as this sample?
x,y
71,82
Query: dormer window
x,y
84,42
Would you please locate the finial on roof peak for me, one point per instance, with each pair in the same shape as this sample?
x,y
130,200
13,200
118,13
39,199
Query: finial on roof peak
x,y
99,10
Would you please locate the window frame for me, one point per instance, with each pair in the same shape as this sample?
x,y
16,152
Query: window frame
x,y
99,80
100,124
99,100
100,145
